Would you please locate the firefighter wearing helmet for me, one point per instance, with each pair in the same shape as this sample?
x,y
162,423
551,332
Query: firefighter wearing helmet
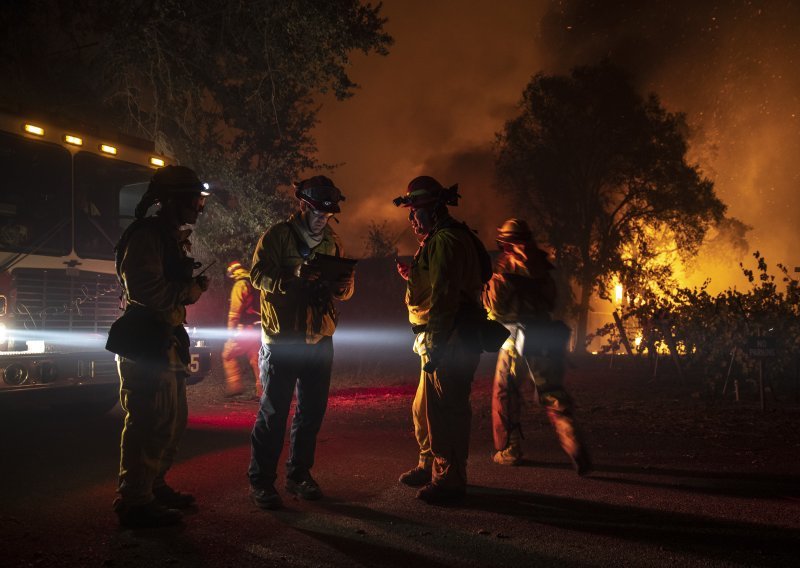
x,y
444,283
152,345
244,321
298,320
522,295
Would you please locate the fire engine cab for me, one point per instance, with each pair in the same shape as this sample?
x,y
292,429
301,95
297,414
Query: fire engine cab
x,y
66,195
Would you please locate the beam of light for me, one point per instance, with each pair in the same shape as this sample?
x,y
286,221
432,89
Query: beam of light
x,y
221,333
374,336
345,335
38,341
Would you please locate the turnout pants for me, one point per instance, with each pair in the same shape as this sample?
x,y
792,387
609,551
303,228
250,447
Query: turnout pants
x,y
442,414
546,372
246,345
156,413
285,368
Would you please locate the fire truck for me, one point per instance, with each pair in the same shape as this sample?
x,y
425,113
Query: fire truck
x,y
66,195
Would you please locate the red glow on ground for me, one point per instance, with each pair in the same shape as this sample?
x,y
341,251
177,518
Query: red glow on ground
x,y
375,392
240,415
225,419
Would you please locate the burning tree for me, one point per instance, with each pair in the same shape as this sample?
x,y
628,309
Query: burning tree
x,y
226,87
602,173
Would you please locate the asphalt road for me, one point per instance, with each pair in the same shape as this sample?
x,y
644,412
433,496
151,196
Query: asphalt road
x,y
678,482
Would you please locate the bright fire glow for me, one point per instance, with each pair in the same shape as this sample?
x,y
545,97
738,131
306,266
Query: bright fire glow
x,y
618,293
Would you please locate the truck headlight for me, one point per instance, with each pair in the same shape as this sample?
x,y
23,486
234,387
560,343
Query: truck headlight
x,y
15,374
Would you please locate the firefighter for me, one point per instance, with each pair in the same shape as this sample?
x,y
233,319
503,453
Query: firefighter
x,y
244,321
522,295
298,320
152,345
444,284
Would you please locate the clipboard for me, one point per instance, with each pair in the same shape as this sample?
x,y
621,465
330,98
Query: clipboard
x,y
333,268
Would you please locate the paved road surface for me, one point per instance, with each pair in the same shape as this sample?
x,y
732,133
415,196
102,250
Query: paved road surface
x,y
678,483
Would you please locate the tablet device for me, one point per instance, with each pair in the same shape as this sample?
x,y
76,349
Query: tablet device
x,y
333,268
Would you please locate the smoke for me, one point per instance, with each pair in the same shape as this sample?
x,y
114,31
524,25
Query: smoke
x,y
458,68
732,67
432,106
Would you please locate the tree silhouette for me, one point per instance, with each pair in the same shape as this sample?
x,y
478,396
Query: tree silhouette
x,y
226,87
379,242
600,169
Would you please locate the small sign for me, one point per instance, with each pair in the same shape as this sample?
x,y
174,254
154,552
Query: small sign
x,y
761,347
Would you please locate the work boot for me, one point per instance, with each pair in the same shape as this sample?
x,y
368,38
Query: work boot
x,y
512,454
507,457
172,499
305,488
434,494
266,497
232,391
149,515
416,477
570,441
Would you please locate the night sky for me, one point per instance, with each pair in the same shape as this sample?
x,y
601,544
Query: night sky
x,y
458,68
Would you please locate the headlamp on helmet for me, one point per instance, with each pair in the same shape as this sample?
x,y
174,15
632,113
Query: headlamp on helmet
x,y
320,193
426,191
171,180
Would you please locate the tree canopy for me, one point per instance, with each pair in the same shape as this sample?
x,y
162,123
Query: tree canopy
x,y
601,172
227,87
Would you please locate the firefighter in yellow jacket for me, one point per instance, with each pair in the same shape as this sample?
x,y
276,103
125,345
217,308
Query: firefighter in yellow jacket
x,y
444,284
244,323
297,324
521,295
153,347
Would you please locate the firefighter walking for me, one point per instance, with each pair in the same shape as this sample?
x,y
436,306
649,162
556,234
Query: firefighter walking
x,y
521,295
244,325
152,345
444,282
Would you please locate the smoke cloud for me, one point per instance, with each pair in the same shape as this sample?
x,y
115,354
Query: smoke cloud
x,y
431,107
458,68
